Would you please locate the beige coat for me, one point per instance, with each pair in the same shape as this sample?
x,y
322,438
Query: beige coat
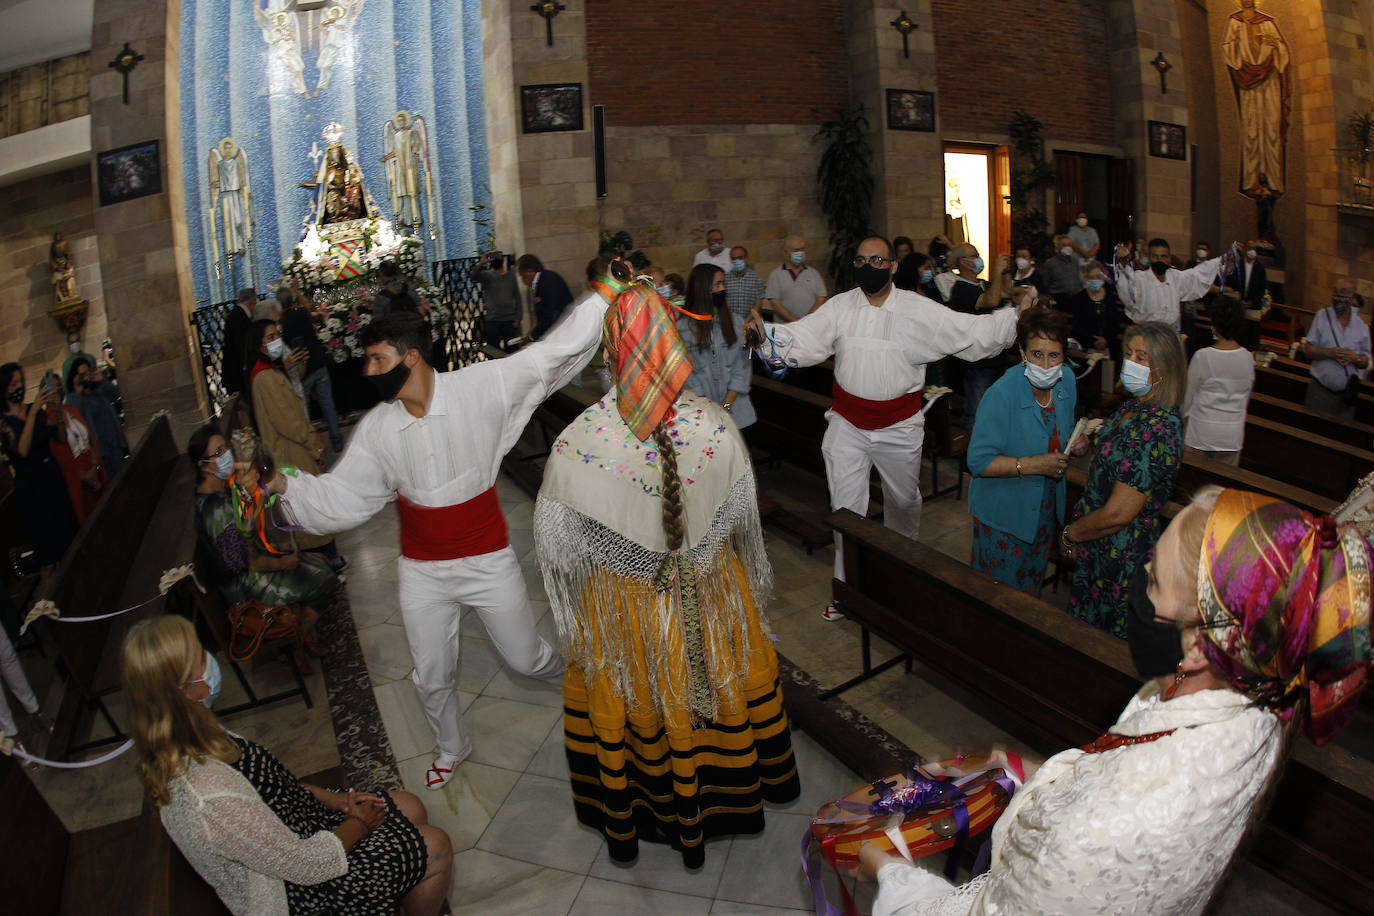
x,y
286,432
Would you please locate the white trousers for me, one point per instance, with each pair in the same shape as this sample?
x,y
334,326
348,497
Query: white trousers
x,y
14,677
850,454
432,594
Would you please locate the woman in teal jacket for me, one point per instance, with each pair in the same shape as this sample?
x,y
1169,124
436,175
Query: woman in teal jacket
x,y
1017,456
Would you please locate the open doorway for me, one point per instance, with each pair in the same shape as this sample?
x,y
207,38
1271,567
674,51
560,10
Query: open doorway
x,y
977,189
1100,186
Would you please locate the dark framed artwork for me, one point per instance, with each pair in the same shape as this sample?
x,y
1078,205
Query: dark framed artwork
x,y
1168,141
129,172
910,109
550,106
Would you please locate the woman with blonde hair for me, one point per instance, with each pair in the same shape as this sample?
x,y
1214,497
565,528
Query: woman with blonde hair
x,y
1252,624
1134,467
653,557
267,843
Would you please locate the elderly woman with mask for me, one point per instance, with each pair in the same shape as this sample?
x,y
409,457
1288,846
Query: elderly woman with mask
x,y
1252,621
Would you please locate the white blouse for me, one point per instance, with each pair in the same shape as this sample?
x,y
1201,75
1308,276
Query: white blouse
x,y
1219,383
1148,828
881,352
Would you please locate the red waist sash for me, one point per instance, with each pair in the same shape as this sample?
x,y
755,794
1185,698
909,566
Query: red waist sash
x,y
468,529
866,414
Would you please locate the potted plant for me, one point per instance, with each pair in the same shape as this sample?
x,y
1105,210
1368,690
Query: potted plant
x,y
844,184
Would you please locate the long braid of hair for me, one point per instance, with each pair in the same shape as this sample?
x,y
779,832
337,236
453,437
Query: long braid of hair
x,y
673,514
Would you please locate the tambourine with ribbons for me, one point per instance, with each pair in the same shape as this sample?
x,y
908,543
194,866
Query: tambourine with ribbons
x,y
925,809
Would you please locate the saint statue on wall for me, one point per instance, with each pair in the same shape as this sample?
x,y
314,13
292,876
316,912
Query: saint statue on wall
x,y
61,271
230,198
1257,57
282,32
407,168
337,21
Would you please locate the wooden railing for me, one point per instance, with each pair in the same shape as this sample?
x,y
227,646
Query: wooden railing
x,y
42,94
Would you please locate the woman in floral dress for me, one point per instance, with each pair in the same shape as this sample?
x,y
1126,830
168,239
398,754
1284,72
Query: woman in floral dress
x,y
1134,467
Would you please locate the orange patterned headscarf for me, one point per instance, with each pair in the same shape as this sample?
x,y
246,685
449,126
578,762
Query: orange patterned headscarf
x,y
646,353
1283,597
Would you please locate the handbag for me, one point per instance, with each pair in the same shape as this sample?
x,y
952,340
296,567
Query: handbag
x,y
251,623
1350,394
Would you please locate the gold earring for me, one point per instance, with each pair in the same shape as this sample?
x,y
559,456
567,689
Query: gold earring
x,y
1178,680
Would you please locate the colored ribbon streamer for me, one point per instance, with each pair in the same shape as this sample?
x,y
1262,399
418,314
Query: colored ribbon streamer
x,y
774,365
9,748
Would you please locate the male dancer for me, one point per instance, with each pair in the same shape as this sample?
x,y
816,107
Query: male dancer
x,y
435,447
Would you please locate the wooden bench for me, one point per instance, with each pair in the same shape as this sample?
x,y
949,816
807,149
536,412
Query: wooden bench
x,y
1294,414
1056,682
1291,386
1304,458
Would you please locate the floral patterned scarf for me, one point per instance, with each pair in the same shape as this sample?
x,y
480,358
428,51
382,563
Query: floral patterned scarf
x,y
1284,600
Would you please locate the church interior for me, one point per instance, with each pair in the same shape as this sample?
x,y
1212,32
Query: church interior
x,y
215,214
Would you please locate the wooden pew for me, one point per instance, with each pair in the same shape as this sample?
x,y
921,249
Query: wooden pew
x,y
1305,419
1057,682
1317,463
1291,386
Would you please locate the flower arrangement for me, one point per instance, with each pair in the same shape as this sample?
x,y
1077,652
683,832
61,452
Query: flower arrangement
x,y
316,263
342,313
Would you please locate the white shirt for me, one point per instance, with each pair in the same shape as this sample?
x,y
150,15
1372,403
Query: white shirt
x,y
881,352
1219,383
1143,829
453,453
1148,298
721,260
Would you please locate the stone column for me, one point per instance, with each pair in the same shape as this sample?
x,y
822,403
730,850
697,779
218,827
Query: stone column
x,y
909,193
144,258
1138,30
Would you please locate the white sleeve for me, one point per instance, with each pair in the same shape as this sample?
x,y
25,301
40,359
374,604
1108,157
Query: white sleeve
x,y
1125,289
969,337
1195,370
540,369
808,340
911,890
1195,281
240,827
351,493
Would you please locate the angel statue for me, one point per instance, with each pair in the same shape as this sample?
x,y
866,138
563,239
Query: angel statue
x,y
281,30
334,28
407,156
231,199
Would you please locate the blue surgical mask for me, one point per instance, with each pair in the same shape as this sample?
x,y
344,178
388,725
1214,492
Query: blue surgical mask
x,y
276,349
738,265
1095,285
798,257
1135,378
977,265
1040,377
665,290
213,680
927,276
224,464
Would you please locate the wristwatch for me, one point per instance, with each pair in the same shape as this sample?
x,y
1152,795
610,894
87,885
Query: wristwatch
x,y
1064,539
728,408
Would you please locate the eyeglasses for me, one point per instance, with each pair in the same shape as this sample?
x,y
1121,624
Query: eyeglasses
x,y
876,260
211,456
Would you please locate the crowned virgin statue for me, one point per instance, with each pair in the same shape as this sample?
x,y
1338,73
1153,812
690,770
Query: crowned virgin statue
x,y
341,196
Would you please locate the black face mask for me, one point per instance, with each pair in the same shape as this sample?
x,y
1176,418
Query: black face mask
x,y
15,395
1341,304
390,383
718,300
1156,648
1159,267
872,280
90,384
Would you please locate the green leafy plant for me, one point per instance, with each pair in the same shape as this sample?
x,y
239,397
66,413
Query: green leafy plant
x,y
1031,175
844,184
1359,129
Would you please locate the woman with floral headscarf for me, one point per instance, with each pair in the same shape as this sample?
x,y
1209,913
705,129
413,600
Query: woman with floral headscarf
x,y
653,558
1252,622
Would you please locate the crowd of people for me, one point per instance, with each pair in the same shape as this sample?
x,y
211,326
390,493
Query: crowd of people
x,y
657,574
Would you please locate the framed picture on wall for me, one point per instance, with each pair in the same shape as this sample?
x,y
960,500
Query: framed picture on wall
x,y
550,106
129,172
1168,141
910,109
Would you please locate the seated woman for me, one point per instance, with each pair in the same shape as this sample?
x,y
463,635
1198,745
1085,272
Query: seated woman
x,y
1094,310
303,580
652,553
1017,456
269,844
721,365
282,421
1220,378
1131,478
1146,818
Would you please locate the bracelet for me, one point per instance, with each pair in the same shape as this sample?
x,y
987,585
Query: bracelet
x,y
728,407
1018,467
1065,539
366,828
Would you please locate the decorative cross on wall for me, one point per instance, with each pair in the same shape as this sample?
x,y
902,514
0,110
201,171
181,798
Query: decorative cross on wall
x,y
124,62
1161,63
906,25
548,9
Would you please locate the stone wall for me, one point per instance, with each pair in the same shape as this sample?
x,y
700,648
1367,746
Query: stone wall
x,y
30,212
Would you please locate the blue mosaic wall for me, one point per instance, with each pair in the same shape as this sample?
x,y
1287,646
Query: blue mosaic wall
x,y
424,56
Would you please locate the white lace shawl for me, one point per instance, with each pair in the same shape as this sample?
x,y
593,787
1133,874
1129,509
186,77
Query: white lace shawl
x,y
235,842
1149,828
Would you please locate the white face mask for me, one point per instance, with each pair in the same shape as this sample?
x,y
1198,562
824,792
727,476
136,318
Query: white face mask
x,y
1135,378
276,348
1066,251
1251,254
1082,221
1042,378
1022,263
1201,254
798,257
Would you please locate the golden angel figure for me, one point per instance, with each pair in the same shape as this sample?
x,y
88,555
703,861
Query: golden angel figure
x,y
407,167
231,199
